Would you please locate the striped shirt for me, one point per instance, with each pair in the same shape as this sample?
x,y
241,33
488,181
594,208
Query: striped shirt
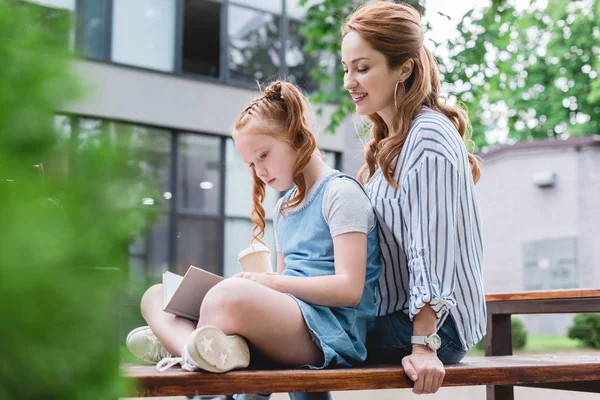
x,y
429,230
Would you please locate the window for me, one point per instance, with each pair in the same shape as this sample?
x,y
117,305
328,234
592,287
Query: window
x,y
199,174
201,37
330,158
199,243
92,28
273,6
150,150
254,44
143,33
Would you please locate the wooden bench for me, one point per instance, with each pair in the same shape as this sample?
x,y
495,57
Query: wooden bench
x,y
499,370
500,307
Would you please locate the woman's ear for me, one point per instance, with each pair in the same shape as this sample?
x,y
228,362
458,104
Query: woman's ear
x,y
405,70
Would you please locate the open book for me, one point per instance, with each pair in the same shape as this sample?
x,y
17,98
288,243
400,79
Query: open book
x,y
184,294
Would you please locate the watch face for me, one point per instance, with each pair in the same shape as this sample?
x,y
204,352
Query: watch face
x,y
435,342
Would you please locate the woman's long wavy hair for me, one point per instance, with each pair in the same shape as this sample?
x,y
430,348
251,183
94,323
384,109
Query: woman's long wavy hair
x,y
395,31
284,104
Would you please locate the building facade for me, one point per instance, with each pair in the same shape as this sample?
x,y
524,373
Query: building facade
x,y
541,220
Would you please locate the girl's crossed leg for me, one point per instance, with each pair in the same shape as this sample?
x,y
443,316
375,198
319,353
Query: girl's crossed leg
x,y
270,320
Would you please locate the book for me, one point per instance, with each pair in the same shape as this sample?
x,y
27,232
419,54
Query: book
x,y
183,295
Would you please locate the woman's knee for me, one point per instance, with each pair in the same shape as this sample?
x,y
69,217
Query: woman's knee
x,y
152,300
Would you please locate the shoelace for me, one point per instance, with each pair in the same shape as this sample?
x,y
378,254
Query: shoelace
x,y
157,351
185,360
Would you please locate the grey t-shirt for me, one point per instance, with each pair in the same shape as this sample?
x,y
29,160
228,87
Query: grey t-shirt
x,y
346,208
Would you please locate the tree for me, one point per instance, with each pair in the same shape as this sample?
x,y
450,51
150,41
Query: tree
x,y
536,68
62,231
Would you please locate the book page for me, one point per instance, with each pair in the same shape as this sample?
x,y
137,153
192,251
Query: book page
x,y
171,282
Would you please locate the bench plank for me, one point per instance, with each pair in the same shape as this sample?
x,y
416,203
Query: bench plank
x,y
544,295
501,370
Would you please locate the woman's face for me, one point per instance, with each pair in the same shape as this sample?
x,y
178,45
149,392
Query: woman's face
x,y
367,77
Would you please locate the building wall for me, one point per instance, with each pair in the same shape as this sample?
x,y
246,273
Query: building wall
x,y
516,212
167,100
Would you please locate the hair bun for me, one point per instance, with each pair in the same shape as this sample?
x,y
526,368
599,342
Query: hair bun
x,y
273,91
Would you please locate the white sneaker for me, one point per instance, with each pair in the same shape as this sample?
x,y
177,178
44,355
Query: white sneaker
x,y
211,350
142,343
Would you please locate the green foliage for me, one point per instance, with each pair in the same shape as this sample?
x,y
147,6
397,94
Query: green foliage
x,y
536,67
586,327
519,335
64,237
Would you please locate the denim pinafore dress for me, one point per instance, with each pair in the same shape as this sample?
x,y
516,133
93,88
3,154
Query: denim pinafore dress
x,y
307,247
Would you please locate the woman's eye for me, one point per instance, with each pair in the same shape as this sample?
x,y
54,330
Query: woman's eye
x,y
362,69
345,71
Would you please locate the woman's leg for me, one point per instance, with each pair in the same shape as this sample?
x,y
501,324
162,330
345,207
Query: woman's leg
x,y
388,340
172,332
270,320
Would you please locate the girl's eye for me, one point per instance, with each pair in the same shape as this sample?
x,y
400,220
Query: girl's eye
x,y
345,71
263,156
362,69
251,165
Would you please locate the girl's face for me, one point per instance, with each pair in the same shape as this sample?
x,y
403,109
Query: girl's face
x,y
367,77
272,159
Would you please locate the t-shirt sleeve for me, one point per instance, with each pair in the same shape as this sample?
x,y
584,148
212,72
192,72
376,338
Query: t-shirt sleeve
x,y
346,208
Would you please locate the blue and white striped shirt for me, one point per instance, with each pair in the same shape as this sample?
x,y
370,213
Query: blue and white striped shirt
x,y
429,231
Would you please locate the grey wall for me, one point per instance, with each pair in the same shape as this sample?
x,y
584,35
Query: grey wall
x,y
515,211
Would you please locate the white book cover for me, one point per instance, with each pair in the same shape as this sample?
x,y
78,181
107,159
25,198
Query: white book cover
x,y
183,295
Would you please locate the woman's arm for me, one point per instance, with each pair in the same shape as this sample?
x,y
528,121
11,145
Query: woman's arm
x,y
344,289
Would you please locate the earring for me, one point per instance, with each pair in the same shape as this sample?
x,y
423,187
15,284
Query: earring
x,y
396,90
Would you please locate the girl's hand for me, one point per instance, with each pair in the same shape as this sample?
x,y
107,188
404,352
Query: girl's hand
x,y
267,279
425,369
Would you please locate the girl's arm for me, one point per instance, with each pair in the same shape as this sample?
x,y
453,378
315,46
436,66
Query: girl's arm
x,y
344,289
280,263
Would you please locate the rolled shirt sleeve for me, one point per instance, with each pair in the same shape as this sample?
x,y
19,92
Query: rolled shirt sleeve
x,y
429,211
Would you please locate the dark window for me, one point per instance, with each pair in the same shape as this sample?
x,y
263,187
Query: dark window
x,y
92,28
254,44
199,243
201,37
199,174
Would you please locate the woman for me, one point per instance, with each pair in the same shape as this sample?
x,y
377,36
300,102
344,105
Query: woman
x,y
420,178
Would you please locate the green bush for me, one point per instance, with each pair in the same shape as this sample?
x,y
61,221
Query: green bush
x,y
519,335
586,327
63,237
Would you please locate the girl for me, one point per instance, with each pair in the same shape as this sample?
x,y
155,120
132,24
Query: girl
x,y
420,179
315,310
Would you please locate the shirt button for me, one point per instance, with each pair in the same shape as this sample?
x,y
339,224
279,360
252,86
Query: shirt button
x,y
421,252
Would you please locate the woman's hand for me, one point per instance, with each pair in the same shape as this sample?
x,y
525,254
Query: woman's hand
x,y
425,369
267,279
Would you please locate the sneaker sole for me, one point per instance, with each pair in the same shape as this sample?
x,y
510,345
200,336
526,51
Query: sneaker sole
x,y
215,351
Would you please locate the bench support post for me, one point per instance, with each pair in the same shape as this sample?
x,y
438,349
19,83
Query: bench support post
x,y
498,342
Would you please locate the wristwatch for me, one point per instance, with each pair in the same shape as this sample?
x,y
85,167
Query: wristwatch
x,y
432,341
